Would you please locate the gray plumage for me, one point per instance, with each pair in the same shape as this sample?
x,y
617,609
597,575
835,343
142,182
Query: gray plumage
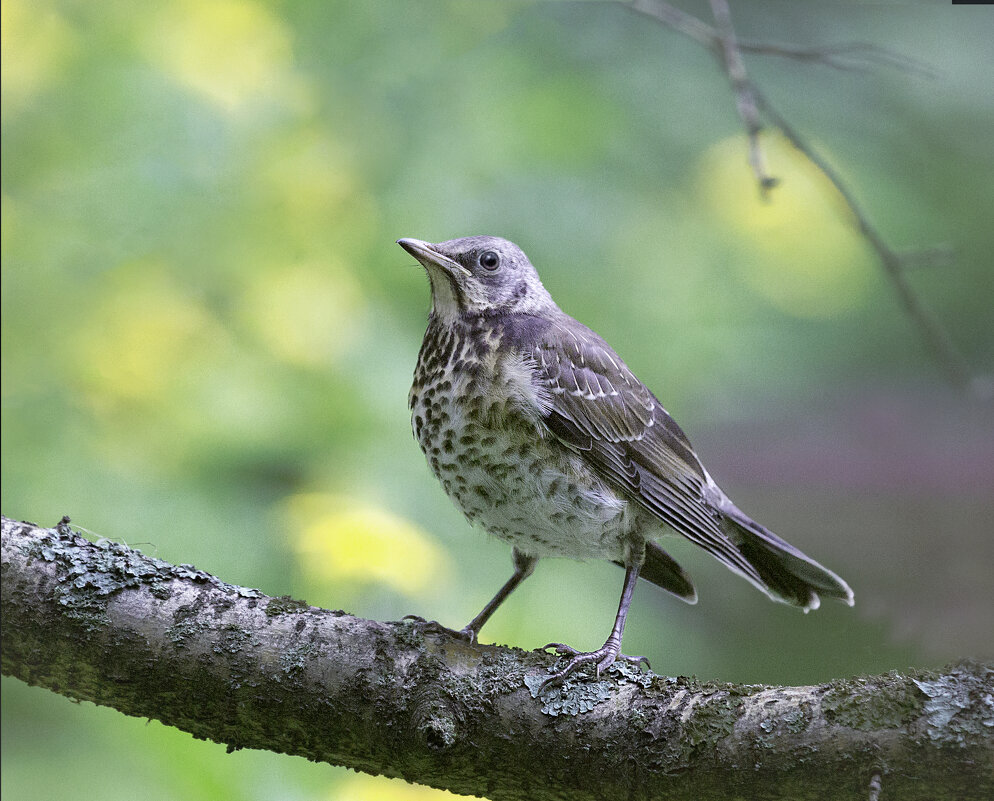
x,y
541,434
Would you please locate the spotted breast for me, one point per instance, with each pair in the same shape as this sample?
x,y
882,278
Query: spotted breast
x,y
476,413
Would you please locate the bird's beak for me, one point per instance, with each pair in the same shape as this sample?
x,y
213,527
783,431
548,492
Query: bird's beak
x,y
425,253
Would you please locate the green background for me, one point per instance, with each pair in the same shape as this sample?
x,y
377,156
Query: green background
x,y
209,333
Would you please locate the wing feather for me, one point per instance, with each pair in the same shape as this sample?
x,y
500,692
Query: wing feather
x,y
597,406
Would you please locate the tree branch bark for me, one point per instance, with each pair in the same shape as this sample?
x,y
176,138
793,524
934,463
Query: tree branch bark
x,y
104,623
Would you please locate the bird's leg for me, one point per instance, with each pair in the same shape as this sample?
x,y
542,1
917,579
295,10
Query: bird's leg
x,y
523,567
611,650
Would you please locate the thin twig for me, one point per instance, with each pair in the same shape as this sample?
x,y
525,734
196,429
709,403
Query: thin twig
x,y
856,56
750,101
745,101
679,21
936,339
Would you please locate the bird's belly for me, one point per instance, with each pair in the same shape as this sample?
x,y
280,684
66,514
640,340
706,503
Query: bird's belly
x,y
518,484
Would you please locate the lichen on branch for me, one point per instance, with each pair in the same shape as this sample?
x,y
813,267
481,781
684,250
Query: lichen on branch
x,y
105,623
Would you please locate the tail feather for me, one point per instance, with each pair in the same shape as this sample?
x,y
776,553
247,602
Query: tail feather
x,y
790,576
663,570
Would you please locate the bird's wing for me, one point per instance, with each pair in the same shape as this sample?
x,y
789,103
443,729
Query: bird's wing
x,y
596,405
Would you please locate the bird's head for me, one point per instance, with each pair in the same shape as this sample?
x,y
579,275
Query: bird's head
x,y
480,274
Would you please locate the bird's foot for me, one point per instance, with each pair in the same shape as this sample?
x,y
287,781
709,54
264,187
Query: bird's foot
x,y
466,635
603,657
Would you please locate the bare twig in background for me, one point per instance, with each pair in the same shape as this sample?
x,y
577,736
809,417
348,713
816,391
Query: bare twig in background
x,y
752,105
679,21
745,100
853,56
936,339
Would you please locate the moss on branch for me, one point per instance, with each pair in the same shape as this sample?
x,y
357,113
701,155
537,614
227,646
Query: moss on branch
x,y
104,623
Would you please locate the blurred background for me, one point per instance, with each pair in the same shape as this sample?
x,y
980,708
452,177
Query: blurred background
x,y
209,333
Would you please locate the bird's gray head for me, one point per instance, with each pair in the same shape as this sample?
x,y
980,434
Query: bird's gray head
x,y
480,274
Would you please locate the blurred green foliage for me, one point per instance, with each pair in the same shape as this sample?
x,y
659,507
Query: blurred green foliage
x,y
208,333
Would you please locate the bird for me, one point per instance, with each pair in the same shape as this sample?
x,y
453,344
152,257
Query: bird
x,y
542,435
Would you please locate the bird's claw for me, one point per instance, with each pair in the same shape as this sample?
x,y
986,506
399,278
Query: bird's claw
x,y
433,626
604,657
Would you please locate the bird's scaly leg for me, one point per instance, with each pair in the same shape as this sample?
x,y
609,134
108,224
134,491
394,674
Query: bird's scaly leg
x,y
611,650
523,567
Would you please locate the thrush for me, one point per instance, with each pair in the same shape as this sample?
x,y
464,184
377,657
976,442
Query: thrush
x,y
541,435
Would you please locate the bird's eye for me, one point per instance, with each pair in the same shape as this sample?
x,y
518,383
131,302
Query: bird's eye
x,y
490,260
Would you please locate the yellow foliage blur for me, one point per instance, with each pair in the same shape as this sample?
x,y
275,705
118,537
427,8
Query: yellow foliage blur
x,y
341,538
141,336
232,52
806,258
306,314
377,788
308,176
34,43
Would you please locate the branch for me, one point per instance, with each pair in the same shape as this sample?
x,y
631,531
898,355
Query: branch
x,y
854,56
721,42
951,361
104,623
745,100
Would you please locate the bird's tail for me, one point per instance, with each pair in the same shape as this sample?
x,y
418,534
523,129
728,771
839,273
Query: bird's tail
x,y
661,569
787,574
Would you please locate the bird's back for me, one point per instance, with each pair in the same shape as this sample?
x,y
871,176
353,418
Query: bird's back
x,y
599,409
